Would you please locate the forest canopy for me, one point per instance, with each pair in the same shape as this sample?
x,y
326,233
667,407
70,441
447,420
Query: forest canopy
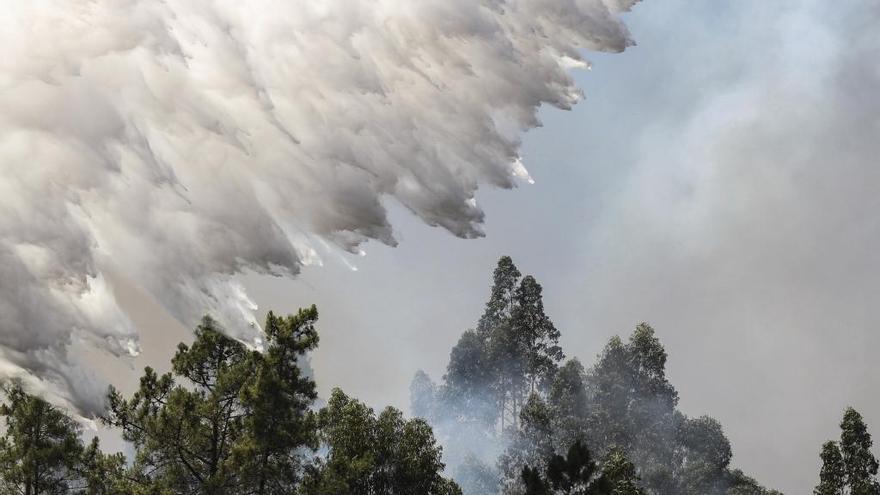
x,y
510,416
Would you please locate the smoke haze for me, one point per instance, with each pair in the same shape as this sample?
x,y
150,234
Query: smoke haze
x,y
717,183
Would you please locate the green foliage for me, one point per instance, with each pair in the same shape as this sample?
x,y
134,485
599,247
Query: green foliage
x,y
225,420
849,468
707,455
104,474
832,477
619,475
539,338
533,444
855,446
632,406
467,394
578,474
569,403
513,352
229,420
236,423
40,450
499,307
369,454
505,377
275,402
740,484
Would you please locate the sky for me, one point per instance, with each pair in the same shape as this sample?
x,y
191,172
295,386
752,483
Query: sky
x,y
717,181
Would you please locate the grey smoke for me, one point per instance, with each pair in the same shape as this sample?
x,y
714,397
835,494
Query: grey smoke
x,y
747,232
176,144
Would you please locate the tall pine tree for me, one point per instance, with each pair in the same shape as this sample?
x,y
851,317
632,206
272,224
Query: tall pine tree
x,y
237,422
40,450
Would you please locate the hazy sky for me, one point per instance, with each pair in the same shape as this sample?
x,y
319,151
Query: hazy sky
x,y
719,181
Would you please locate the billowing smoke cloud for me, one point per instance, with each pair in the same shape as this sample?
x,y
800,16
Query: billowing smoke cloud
x,y
178,143
748,229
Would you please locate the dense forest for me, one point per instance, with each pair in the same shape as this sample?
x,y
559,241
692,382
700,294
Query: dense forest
x,y
510,416
516,417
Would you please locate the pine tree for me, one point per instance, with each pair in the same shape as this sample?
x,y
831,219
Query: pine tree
x,y
103,474
275,403
40,450
236,423
184,435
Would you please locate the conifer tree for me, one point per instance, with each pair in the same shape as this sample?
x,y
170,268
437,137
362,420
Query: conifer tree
x,y
40,449
236,424
103,474
275,402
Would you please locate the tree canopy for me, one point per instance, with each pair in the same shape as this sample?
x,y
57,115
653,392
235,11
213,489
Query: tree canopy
x,y
226,419
507,381
509,416
848,466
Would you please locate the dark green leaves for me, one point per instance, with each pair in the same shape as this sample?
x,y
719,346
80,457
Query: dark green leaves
x,y
849,467
368,454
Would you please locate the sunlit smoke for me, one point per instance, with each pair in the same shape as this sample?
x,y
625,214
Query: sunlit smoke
x,y
181,142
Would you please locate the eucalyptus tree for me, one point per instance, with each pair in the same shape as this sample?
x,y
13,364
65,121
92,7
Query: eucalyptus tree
x,y
849,467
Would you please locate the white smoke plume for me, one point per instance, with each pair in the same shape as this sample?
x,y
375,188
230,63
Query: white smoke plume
x,y
177,143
